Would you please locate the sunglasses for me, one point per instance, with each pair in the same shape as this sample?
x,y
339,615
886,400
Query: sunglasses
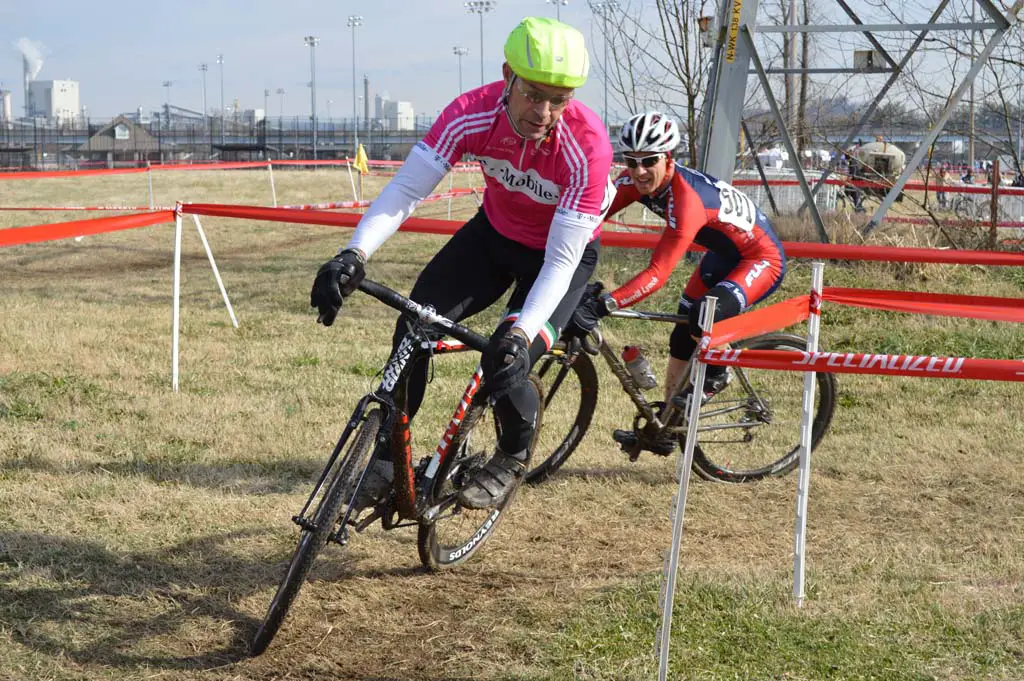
x,y
646,161
537,97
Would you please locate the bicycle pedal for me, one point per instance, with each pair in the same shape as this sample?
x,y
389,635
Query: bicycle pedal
x,y
628,442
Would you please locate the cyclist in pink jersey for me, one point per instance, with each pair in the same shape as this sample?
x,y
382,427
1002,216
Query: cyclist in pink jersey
x,y
546,160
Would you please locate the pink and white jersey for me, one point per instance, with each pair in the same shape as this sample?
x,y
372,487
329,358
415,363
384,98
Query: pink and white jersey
x,y
528,183
550,195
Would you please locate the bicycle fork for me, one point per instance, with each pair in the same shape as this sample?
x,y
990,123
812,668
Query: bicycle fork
x,y
443,450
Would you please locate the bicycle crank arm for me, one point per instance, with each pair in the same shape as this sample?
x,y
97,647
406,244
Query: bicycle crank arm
x,y
431,514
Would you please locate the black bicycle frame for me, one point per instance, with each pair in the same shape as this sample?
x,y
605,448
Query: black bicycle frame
x,y
618,368
390,395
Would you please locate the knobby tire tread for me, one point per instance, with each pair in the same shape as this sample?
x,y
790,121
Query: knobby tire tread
x,y
427,543
325,517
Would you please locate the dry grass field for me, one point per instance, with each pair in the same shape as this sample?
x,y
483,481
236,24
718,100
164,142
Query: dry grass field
x,y
143,532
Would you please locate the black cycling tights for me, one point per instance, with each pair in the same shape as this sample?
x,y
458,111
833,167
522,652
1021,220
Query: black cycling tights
x,y
469,274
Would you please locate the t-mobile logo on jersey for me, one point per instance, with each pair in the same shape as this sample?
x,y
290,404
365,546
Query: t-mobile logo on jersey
x,y
527,182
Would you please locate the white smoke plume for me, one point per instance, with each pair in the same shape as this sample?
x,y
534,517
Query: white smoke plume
x,y
33,53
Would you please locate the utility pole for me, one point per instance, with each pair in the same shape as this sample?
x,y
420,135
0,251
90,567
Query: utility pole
x,y
481,7
220,62
792,78
204,68
312,41
167,84
460,52
970,136
354,21
280,124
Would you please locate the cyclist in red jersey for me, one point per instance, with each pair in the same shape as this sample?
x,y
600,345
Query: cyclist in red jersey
x,y
744,264
546,160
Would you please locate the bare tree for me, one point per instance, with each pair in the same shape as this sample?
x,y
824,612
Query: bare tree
x,y
657,60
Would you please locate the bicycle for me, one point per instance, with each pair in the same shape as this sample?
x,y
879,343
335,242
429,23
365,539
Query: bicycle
x,y
423,495
970,208
742,429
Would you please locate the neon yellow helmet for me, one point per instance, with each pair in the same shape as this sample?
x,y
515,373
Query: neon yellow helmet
x,y
548,52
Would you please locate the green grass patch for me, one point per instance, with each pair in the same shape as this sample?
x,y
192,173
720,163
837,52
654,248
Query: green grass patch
x,y
746,631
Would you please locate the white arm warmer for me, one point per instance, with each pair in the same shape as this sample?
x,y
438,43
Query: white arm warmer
x,y
414,181
566,241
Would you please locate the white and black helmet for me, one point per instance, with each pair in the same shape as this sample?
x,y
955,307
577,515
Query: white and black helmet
x,y
652,131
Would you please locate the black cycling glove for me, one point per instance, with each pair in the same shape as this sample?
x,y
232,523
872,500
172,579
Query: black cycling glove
x,y
336,280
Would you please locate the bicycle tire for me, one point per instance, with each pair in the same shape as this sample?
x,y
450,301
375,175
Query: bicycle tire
x,y
558,368
341,488
437,553
711,459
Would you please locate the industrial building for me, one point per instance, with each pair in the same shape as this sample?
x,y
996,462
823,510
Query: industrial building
x,y
55,100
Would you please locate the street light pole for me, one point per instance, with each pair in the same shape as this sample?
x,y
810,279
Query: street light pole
x,y
167,118
603,9
266,104
204,67
354,21
481,7
220,61
460,52
558,7
280,123
312,41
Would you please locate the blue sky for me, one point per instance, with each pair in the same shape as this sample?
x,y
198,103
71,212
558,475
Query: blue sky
x,y
121,52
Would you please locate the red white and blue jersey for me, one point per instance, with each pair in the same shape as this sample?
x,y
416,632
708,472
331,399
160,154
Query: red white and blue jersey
x,y
700,209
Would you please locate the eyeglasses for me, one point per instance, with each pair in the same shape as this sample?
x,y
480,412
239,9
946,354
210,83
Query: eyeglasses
x,y
537,97
646,161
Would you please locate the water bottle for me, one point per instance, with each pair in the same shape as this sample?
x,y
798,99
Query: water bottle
x,y
638,368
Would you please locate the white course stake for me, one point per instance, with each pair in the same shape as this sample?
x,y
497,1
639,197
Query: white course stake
x,y
176,305
149,174
273,189
216,272
355,196
806,432
697,372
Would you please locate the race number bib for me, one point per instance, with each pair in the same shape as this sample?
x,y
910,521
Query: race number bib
x,y
737,209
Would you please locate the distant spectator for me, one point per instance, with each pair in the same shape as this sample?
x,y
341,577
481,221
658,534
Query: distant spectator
x,y
941,178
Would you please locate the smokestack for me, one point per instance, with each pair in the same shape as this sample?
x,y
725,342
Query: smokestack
x,y
366,101
32,61
28,92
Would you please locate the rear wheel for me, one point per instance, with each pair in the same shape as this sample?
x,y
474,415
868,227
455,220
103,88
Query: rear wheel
x,y
751,429
339,491
456,532
569,392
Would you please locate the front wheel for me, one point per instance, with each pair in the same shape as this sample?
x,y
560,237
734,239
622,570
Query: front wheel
x,y
340,489
751,429
456,533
